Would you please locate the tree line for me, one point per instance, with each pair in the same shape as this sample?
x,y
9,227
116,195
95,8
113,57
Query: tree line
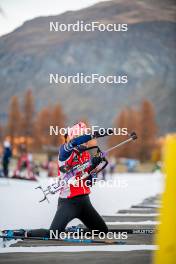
x,y
25,125
143,122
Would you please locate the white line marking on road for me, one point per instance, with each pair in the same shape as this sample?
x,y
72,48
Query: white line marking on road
x,y
77,248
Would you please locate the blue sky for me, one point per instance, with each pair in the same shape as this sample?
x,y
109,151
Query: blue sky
x,y
14,12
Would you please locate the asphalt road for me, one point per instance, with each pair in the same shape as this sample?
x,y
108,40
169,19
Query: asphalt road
x,y
132,257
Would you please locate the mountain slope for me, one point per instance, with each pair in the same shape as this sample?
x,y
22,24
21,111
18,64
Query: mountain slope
x,y
146,53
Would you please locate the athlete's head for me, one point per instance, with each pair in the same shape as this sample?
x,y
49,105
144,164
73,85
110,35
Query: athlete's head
x,y
76,130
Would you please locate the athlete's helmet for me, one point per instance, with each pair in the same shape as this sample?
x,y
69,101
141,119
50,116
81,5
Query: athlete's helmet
x,y
77,130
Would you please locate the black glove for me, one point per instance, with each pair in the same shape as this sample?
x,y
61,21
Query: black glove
x,y
95,162
103,133
133,135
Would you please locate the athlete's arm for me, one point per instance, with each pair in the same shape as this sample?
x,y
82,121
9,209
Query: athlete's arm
x,y
67,148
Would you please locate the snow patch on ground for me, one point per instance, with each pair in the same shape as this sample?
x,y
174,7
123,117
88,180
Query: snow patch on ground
x,y
20,207
134,223
131,215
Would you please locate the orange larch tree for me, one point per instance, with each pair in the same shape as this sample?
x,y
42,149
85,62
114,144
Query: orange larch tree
x,y
148,130
14,119
57,120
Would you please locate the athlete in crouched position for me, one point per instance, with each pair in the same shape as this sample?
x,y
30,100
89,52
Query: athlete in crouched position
x,y
74,199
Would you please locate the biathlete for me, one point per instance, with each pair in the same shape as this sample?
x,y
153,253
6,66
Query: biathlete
x,y
74,199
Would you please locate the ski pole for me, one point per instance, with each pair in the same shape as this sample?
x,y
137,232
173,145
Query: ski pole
x,y
133,136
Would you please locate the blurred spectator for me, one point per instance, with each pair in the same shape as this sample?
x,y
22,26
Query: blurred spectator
x,y
25,167
7,154
131,165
